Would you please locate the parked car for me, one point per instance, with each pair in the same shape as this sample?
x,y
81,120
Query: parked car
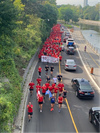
x,y
94,117
82,88
70,64
70,50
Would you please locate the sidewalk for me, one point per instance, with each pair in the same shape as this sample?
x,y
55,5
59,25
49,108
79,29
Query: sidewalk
x,y
90,57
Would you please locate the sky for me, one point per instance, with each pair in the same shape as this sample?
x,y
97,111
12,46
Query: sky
x,y
77,2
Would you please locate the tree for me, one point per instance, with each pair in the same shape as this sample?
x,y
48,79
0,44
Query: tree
x,y
8,16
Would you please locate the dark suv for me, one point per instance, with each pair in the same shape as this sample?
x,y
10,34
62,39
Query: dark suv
x,y
94,117
82,88
70,50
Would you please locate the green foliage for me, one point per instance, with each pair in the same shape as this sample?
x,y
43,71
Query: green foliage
x,y
24,26
75,12
8,15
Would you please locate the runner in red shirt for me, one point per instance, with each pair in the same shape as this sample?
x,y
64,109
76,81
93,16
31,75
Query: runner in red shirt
x,y
40,101
39,56
60,86
38,87
39,70
50,89
31,84
39,80
43,90
47,85
53,85
60,58
30,110
60,101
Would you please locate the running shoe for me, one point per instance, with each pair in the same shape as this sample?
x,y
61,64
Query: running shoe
x,y
40,110
51,109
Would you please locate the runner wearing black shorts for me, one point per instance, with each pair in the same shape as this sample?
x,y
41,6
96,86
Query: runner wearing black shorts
x,y
46,69
51,69
59,77
48,79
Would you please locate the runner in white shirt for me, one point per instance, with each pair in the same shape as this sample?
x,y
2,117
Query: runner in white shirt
x,y
55,80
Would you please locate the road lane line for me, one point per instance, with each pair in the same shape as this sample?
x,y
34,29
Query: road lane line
x,y
93,59
69,107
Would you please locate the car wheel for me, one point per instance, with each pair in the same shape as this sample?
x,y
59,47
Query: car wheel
x,y
76,93
90,118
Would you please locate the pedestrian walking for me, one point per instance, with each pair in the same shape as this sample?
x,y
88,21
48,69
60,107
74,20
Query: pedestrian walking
x,y
46,69
31,84
85,48
51,69
30,111
64,95
39,71
60,101
59,76
55,79
40,101
52,102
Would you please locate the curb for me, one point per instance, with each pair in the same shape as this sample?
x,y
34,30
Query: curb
x,y
27,100
19,121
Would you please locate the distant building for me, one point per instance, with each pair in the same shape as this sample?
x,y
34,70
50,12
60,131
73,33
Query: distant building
x,y
85,3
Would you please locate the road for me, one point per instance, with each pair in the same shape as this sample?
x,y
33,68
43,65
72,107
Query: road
x,y
62,122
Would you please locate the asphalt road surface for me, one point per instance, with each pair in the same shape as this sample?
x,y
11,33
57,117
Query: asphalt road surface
x,y
62,122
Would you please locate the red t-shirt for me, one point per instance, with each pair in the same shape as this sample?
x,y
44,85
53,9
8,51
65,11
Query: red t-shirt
x,y
55,89
30,110
39,81
44,89
61,86
47,84
53,85
39,69
60,99
50,88
60,57
31,85
40,99
38,87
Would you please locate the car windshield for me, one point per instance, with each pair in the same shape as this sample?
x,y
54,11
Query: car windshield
x,y
85,87
71,62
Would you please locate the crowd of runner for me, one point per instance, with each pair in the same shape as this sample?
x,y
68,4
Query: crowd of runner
x,y
49,88
55,90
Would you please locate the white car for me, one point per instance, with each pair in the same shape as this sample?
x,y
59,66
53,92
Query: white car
x,y
70,64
